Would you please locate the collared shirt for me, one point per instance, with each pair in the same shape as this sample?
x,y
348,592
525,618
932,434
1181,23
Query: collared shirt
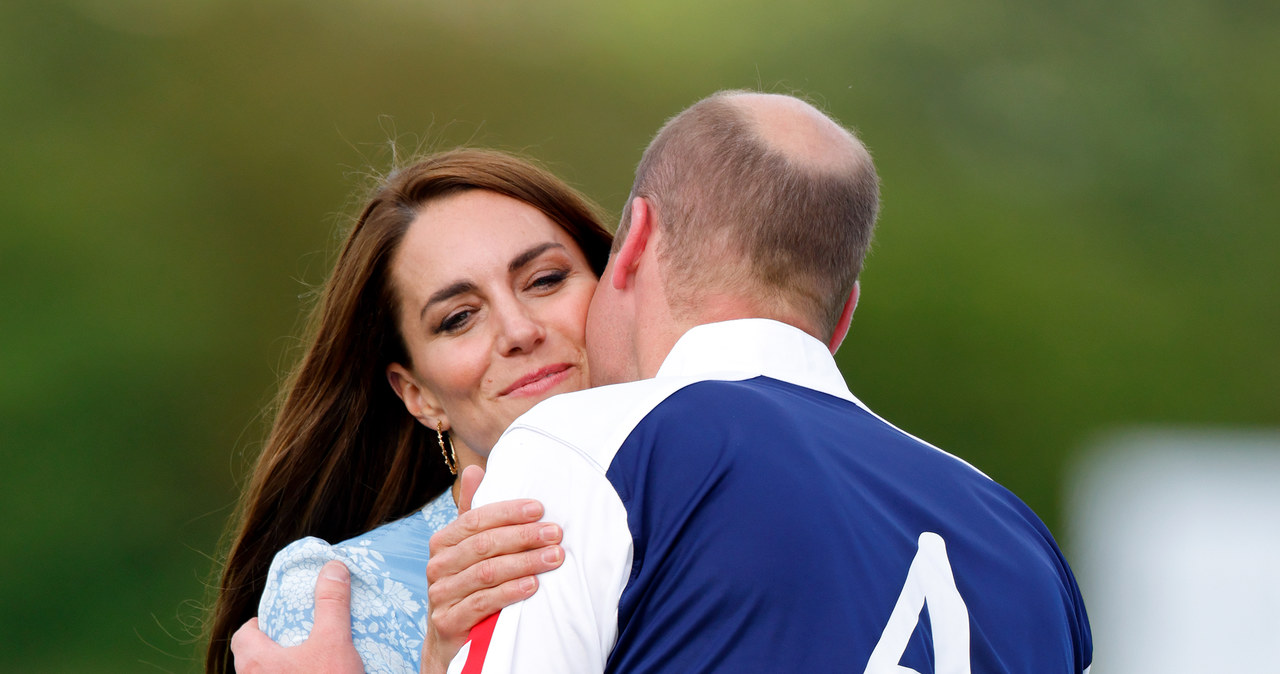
x,y
742,511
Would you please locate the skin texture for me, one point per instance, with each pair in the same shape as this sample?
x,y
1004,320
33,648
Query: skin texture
x,y
493,300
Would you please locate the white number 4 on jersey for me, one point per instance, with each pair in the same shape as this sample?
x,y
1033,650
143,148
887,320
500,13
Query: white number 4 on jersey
x,y
929,579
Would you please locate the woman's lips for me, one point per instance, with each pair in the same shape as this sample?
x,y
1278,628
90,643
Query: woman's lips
x,y
539,381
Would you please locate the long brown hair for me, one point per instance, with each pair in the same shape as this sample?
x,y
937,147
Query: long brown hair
x,y
343,455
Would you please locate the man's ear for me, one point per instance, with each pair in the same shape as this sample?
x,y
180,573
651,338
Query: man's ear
x,y
846,318
627,260
418,399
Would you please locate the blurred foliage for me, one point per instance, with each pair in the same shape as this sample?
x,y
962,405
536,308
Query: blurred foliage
x,y
1079,233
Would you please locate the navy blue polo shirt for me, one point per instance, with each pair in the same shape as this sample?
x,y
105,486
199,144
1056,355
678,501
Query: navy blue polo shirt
x,y
743,512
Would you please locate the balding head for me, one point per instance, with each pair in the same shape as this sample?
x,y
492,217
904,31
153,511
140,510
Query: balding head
x,y
760,196
799,132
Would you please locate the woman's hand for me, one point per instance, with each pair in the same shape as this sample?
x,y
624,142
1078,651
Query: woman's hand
x,y
481,563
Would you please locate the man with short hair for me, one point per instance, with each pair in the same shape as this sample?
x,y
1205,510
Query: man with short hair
x,y
733,507
727,504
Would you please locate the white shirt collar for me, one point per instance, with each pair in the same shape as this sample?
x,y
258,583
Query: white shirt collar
x,y
750,347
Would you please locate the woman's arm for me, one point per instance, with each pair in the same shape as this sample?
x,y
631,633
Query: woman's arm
x,y
329,650
286,610
386,616
479,564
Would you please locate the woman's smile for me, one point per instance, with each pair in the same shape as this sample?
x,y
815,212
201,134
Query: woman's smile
x,y
491,328
540,381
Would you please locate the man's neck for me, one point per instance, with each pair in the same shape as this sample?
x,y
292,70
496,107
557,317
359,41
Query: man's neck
x,y
654,342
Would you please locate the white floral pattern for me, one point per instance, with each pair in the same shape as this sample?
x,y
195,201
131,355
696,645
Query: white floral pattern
x,y
388,588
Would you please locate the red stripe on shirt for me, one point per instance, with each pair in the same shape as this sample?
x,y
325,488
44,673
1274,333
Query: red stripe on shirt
x,y
481,634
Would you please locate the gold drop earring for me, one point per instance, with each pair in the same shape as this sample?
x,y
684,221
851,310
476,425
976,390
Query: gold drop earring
x,y
449,459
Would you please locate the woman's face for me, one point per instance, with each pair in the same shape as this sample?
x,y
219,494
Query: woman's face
x,y
493,309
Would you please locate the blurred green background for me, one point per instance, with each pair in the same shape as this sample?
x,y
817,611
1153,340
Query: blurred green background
x,y
1079,233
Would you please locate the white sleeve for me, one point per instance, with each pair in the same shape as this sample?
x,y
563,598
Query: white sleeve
x,y
571,623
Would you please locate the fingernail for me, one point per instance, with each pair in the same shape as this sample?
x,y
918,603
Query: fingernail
x,y
549,532
532,509
526,584
551,555
334,571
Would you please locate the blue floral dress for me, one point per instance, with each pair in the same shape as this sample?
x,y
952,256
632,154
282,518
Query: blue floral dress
x,y
388,588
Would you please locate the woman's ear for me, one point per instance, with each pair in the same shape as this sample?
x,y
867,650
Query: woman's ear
x,y
418,399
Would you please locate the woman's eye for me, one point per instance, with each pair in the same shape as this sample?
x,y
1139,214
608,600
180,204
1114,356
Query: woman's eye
x,y
549,279
454,321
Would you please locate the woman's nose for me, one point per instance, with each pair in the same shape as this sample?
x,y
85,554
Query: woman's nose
x,y
521,331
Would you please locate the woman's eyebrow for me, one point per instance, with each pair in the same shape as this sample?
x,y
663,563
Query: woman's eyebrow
x,y
460,287
530,255
452,290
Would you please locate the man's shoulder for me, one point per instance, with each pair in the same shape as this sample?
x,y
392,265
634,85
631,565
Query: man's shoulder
x,y
598,418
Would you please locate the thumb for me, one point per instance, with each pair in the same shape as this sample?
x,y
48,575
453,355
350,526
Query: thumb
x,y
471,477
333,602
249,642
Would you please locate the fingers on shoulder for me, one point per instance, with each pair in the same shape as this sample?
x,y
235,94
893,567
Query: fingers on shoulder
x,y
495,572
502,513
333,582
295,568
456,620
333,600
502,543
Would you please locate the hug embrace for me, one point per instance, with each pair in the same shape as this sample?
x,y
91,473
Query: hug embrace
x,y
676,476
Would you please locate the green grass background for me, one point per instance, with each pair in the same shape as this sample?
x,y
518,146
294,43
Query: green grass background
x,y
1079,233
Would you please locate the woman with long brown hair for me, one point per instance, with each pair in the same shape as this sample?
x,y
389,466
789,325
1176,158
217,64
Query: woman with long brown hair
x,y
457,302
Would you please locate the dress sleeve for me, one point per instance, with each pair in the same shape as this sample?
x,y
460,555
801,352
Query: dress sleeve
x,y
570,624
385,642
287,609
